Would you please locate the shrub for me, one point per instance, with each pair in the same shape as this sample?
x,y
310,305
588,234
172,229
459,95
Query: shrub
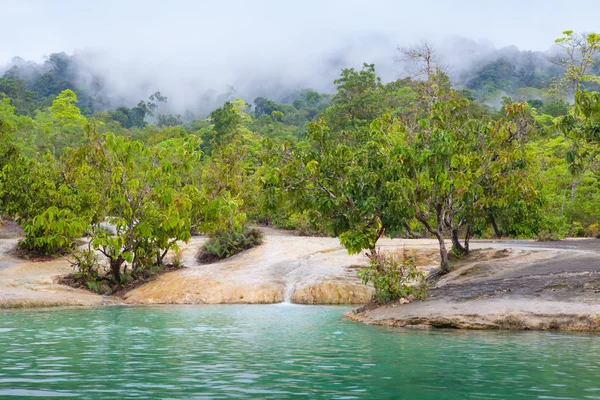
x,y
394,277
593,230
177,258
52,232
545,236
577,229
225,244
87,273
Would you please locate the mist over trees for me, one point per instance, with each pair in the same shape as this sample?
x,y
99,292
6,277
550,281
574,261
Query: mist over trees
x,y
489,73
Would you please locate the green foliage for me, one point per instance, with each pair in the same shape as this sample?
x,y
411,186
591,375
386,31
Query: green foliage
x,y
52,231
555,108
394,277
228,243
593,231
373,159
87,267
344,178
35,193
578,55
546,236
145,199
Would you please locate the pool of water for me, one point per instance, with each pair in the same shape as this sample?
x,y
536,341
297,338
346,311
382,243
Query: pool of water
x,y
279,351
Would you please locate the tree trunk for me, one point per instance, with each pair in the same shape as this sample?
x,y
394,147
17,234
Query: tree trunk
x,y
468,238
115,268
409,233
439,234
456,245
497,232
445,267
573,192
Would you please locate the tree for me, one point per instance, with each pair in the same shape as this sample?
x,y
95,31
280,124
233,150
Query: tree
x,y
169,120
62,125
226,120
346,177
453,162
358,98
50,210
22,98
264,106
421,61
145,199
577,55
154,103
8,126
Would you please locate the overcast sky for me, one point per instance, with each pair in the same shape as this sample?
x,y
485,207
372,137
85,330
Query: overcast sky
x,y
232,41
223,29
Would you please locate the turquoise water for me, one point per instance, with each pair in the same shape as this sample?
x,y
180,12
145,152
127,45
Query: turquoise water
x,y
279,351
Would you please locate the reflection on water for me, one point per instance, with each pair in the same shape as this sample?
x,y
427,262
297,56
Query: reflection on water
x,y
279,352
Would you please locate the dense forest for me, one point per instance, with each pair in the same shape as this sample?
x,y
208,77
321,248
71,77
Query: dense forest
x,y
510,149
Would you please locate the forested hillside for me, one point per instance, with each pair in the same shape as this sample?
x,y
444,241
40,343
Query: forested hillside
x,y
418,156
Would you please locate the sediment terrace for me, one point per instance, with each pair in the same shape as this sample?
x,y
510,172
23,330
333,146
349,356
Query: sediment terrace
x,y
501,285
511,285
306,270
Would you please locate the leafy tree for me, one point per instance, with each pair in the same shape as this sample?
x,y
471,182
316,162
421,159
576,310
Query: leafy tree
x,y
264,106
169,120
62,125
145,201
344,176
36,194
8,126
357,100
577,55
22,98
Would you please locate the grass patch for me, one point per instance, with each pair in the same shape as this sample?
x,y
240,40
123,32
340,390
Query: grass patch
x,y
225,244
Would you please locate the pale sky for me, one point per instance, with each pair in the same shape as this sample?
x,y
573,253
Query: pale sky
x,y
34,28
210,44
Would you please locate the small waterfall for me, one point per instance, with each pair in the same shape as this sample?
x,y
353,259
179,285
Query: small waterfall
x,y
289,289
291,279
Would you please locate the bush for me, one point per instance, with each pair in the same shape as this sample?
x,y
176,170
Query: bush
x,y
593,230
394,277
52,232
87,272
86,265
225,244
90,273
577,229
545,236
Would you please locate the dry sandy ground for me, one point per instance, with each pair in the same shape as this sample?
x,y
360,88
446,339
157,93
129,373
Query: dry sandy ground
x,y
31,284
304,270
286,267
513,285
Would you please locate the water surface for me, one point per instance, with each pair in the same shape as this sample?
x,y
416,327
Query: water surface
x,y
279,351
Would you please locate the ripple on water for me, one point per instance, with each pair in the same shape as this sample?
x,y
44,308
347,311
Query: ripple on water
x,y
279,351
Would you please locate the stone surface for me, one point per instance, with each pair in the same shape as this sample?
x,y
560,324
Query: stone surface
x,y
529,285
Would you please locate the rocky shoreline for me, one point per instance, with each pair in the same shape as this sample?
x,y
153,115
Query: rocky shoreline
x,y
501,285
506,314
527,286
302,270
